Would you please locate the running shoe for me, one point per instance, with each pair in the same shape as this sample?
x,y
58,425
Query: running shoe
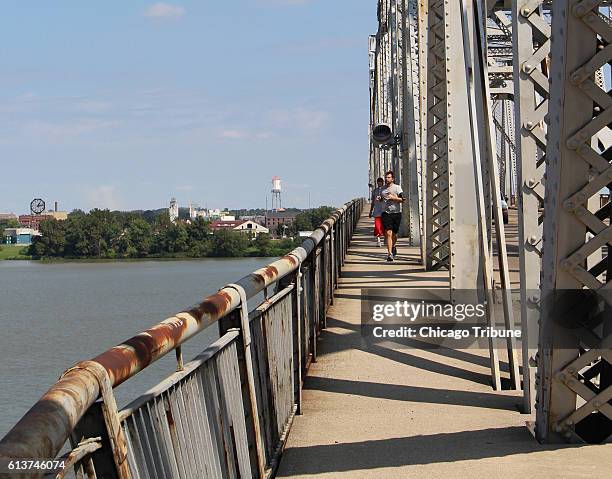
x,y
390,258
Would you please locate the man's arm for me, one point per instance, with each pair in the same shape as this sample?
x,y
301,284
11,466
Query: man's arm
x,y
396,198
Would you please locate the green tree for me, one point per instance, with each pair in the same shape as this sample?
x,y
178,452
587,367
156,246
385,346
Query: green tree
x,y
198,230
52,241
136,238
263,245
226,243
172,239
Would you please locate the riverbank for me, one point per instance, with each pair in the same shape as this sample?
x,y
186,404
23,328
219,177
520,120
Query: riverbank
x,y
14,252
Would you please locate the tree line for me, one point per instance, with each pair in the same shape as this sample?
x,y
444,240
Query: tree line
x,y
111,234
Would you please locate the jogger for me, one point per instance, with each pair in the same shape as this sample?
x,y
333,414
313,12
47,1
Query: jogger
x,y
391,217
376,209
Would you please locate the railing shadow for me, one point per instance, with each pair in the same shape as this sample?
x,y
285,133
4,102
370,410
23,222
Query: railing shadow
x,y
413,450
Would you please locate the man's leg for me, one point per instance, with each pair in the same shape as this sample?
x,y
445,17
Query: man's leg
x,y
389,235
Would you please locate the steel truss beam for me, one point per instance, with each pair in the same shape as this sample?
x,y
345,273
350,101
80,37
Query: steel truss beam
x,y
437,237
575,362
531,42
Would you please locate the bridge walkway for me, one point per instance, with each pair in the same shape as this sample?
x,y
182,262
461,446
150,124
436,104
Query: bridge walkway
x,y
391,412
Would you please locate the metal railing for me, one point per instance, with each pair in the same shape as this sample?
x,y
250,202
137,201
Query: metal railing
x,y
226,413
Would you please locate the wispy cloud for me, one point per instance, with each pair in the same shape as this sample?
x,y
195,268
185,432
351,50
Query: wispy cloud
x,y
283,2
233,134
56,131
302,120
166,11
243,134
104,196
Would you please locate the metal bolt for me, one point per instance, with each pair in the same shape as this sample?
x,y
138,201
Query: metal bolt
x,y
533,239
568,205
529,125
575,78
580,10
525,11
572,144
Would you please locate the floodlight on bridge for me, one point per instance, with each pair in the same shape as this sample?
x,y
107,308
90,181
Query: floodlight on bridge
x,y
382,135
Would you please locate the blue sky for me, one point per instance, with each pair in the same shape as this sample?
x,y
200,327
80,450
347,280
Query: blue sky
x,y
122,105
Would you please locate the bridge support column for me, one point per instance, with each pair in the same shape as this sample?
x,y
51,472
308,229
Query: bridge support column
x,y
575,356
531,47
410,123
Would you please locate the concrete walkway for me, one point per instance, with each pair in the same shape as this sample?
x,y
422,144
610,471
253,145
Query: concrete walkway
x,y
392,412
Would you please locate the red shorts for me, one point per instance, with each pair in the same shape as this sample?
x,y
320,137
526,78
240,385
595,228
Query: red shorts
x,y
378,227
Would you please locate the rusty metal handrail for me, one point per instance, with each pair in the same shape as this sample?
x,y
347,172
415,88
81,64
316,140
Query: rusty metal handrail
x,y
44,429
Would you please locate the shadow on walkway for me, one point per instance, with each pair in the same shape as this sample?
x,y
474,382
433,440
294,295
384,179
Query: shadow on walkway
x,y
412,450
398,392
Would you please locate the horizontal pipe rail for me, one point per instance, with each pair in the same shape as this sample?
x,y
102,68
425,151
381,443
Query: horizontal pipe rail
x,y
45,428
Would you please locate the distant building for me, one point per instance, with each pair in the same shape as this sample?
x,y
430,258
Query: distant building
x,y
8,216
58,215
173,210
261,219
32,221
275,218
250,227
22,236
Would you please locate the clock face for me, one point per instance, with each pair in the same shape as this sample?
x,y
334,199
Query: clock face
x,y
37,206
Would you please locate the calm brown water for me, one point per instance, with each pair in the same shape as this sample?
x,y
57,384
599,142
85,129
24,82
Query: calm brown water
x,y
54,315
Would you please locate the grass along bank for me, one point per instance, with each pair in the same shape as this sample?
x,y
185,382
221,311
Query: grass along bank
x,y
14,251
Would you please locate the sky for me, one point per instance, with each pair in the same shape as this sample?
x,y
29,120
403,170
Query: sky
x,y
123,105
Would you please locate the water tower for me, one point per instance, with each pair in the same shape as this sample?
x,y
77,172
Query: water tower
x,y
277,203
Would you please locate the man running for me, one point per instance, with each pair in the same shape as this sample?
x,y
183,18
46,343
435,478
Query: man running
x,y
393,197
376,209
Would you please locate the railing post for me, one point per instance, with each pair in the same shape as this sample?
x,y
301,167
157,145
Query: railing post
x,y
233,321
104,412
297,315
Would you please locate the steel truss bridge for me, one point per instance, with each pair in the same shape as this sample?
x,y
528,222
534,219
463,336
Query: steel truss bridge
x,y
471,101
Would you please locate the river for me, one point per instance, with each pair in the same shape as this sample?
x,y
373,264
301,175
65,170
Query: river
x,y
53,315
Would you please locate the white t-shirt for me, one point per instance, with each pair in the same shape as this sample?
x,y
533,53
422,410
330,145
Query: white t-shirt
x,y
392,206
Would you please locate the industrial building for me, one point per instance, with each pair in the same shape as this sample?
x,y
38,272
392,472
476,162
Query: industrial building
x,y
22,236
254,229
275,218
